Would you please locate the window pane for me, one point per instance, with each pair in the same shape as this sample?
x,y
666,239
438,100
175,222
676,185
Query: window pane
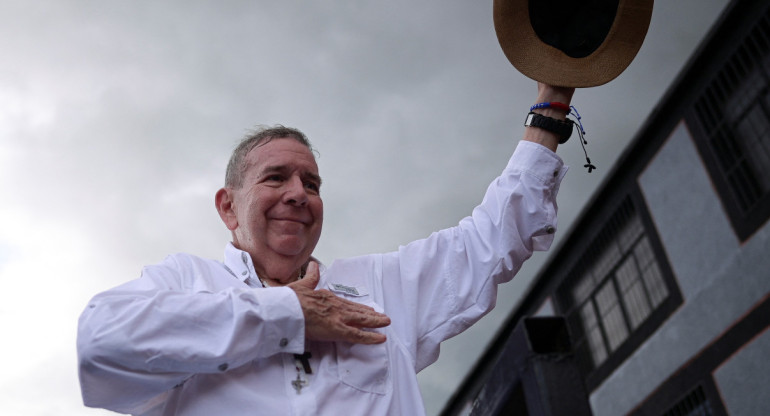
x,y
644,254
653,279
593,334
589,316
755,128
656,287
636,304
582,289
606,260
627,274
629,233
611,315
634,298
596,344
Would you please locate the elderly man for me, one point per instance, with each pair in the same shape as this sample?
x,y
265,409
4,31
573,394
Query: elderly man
x,y
265,332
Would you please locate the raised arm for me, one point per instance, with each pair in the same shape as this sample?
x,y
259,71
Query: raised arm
x,y
451,277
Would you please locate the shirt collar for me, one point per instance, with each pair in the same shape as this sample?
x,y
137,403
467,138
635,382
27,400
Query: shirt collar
x,y
238,262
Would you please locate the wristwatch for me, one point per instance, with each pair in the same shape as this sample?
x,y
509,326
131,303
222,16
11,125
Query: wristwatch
x,y
560,127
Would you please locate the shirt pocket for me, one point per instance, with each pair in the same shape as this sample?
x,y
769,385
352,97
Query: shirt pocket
x,y
363,367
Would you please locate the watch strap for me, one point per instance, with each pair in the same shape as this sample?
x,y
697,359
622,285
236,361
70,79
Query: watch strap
x,y
563,128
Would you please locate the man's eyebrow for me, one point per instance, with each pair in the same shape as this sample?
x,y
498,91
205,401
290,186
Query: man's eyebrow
x,y
273,169
313,177
284,169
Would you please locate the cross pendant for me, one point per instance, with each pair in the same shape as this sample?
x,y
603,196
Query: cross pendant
x,y
298,384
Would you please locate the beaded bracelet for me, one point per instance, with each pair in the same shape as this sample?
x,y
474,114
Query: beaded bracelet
x,y
571,111
558,106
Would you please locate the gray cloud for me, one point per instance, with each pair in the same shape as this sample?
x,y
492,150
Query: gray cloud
x,y
117,120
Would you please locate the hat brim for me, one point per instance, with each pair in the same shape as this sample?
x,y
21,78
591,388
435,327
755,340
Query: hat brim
x,y
545,63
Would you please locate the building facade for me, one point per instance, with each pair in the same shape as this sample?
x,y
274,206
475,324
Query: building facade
x,y
664,280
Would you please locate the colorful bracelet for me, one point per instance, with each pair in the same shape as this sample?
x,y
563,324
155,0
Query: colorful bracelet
x,y
562,128
558,106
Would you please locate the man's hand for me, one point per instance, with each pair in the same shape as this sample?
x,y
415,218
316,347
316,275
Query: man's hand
x,y
547,93
331,318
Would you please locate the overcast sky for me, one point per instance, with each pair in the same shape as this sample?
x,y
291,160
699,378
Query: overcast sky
x,y
117,119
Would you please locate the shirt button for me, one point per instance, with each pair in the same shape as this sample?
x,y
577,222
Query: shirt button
x,y
244,273
222,367
284,342
555,173
549,229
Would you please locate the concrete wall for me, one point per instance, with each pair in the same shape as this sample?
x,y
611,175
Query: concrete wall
x,y
719,278
743,380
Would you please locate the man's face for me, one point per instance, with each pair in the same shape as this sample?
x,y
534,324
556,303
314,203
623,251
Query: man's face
x,y
278,207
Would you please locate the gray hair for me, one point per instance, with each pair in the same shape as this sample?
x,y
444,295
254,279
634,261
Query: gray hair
x,y
262,135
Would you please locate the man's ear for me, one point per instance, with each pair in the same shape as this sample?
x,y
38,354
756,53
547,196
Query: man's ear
x,y
225,207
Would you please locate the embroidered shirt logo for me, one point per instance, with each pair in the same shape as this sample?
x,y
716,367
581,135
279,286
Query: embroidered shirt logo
x,y
350,290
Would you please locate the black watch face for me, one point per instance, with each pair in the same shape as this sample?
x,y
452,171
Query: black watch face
x,y
562,128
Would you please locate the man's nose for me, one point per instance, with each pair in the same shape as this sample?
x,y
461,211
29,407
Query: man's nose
x,y
295,193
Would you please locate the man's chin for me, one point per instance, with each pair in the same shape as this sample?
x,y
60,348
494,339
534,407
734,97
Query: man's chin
x,y
291,247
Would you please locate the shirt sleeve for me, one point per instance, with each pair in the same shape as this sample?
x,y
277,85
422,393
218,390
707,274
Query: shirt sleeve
x,y
141,339
441,285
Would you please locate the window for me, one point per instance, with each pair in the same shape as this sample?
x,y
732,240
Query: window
x,y
694,404
702,400
617,293
731,122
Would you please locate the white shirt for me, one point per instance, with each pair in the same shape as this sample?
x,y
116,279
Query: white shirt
x,y
198,337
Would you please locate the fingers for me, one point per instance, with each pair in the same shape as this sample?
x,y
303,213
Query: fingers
x,y
331,318
361,316
310,281
367,319
361,336
358,333
547,92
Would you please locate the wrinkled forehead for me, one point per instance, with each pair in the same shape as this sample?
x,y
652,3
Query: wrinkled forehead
x,y
283,151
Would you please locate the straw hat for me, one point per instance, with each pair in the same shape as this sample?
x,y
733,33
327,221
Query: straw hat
x,y
577,43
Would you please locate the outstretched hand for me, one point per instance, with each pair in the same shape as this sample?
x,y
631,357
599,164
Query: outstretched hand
x,y
331,318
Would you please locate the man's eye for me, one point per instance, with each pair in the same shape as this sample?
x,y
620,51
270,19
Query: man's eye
x,y
274,178
312,186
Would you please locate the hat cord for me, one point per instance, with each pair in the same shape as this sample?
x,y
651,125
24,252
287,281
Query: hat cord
x,y
581,132
571,111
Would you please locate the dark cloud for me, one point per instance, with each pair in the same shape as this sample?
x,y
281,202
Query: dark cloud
x,y
118,119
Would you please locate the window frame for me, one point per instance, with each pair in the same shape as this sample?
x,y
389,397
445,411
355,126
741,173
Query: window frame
x,y
564,305
708,392
746,63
